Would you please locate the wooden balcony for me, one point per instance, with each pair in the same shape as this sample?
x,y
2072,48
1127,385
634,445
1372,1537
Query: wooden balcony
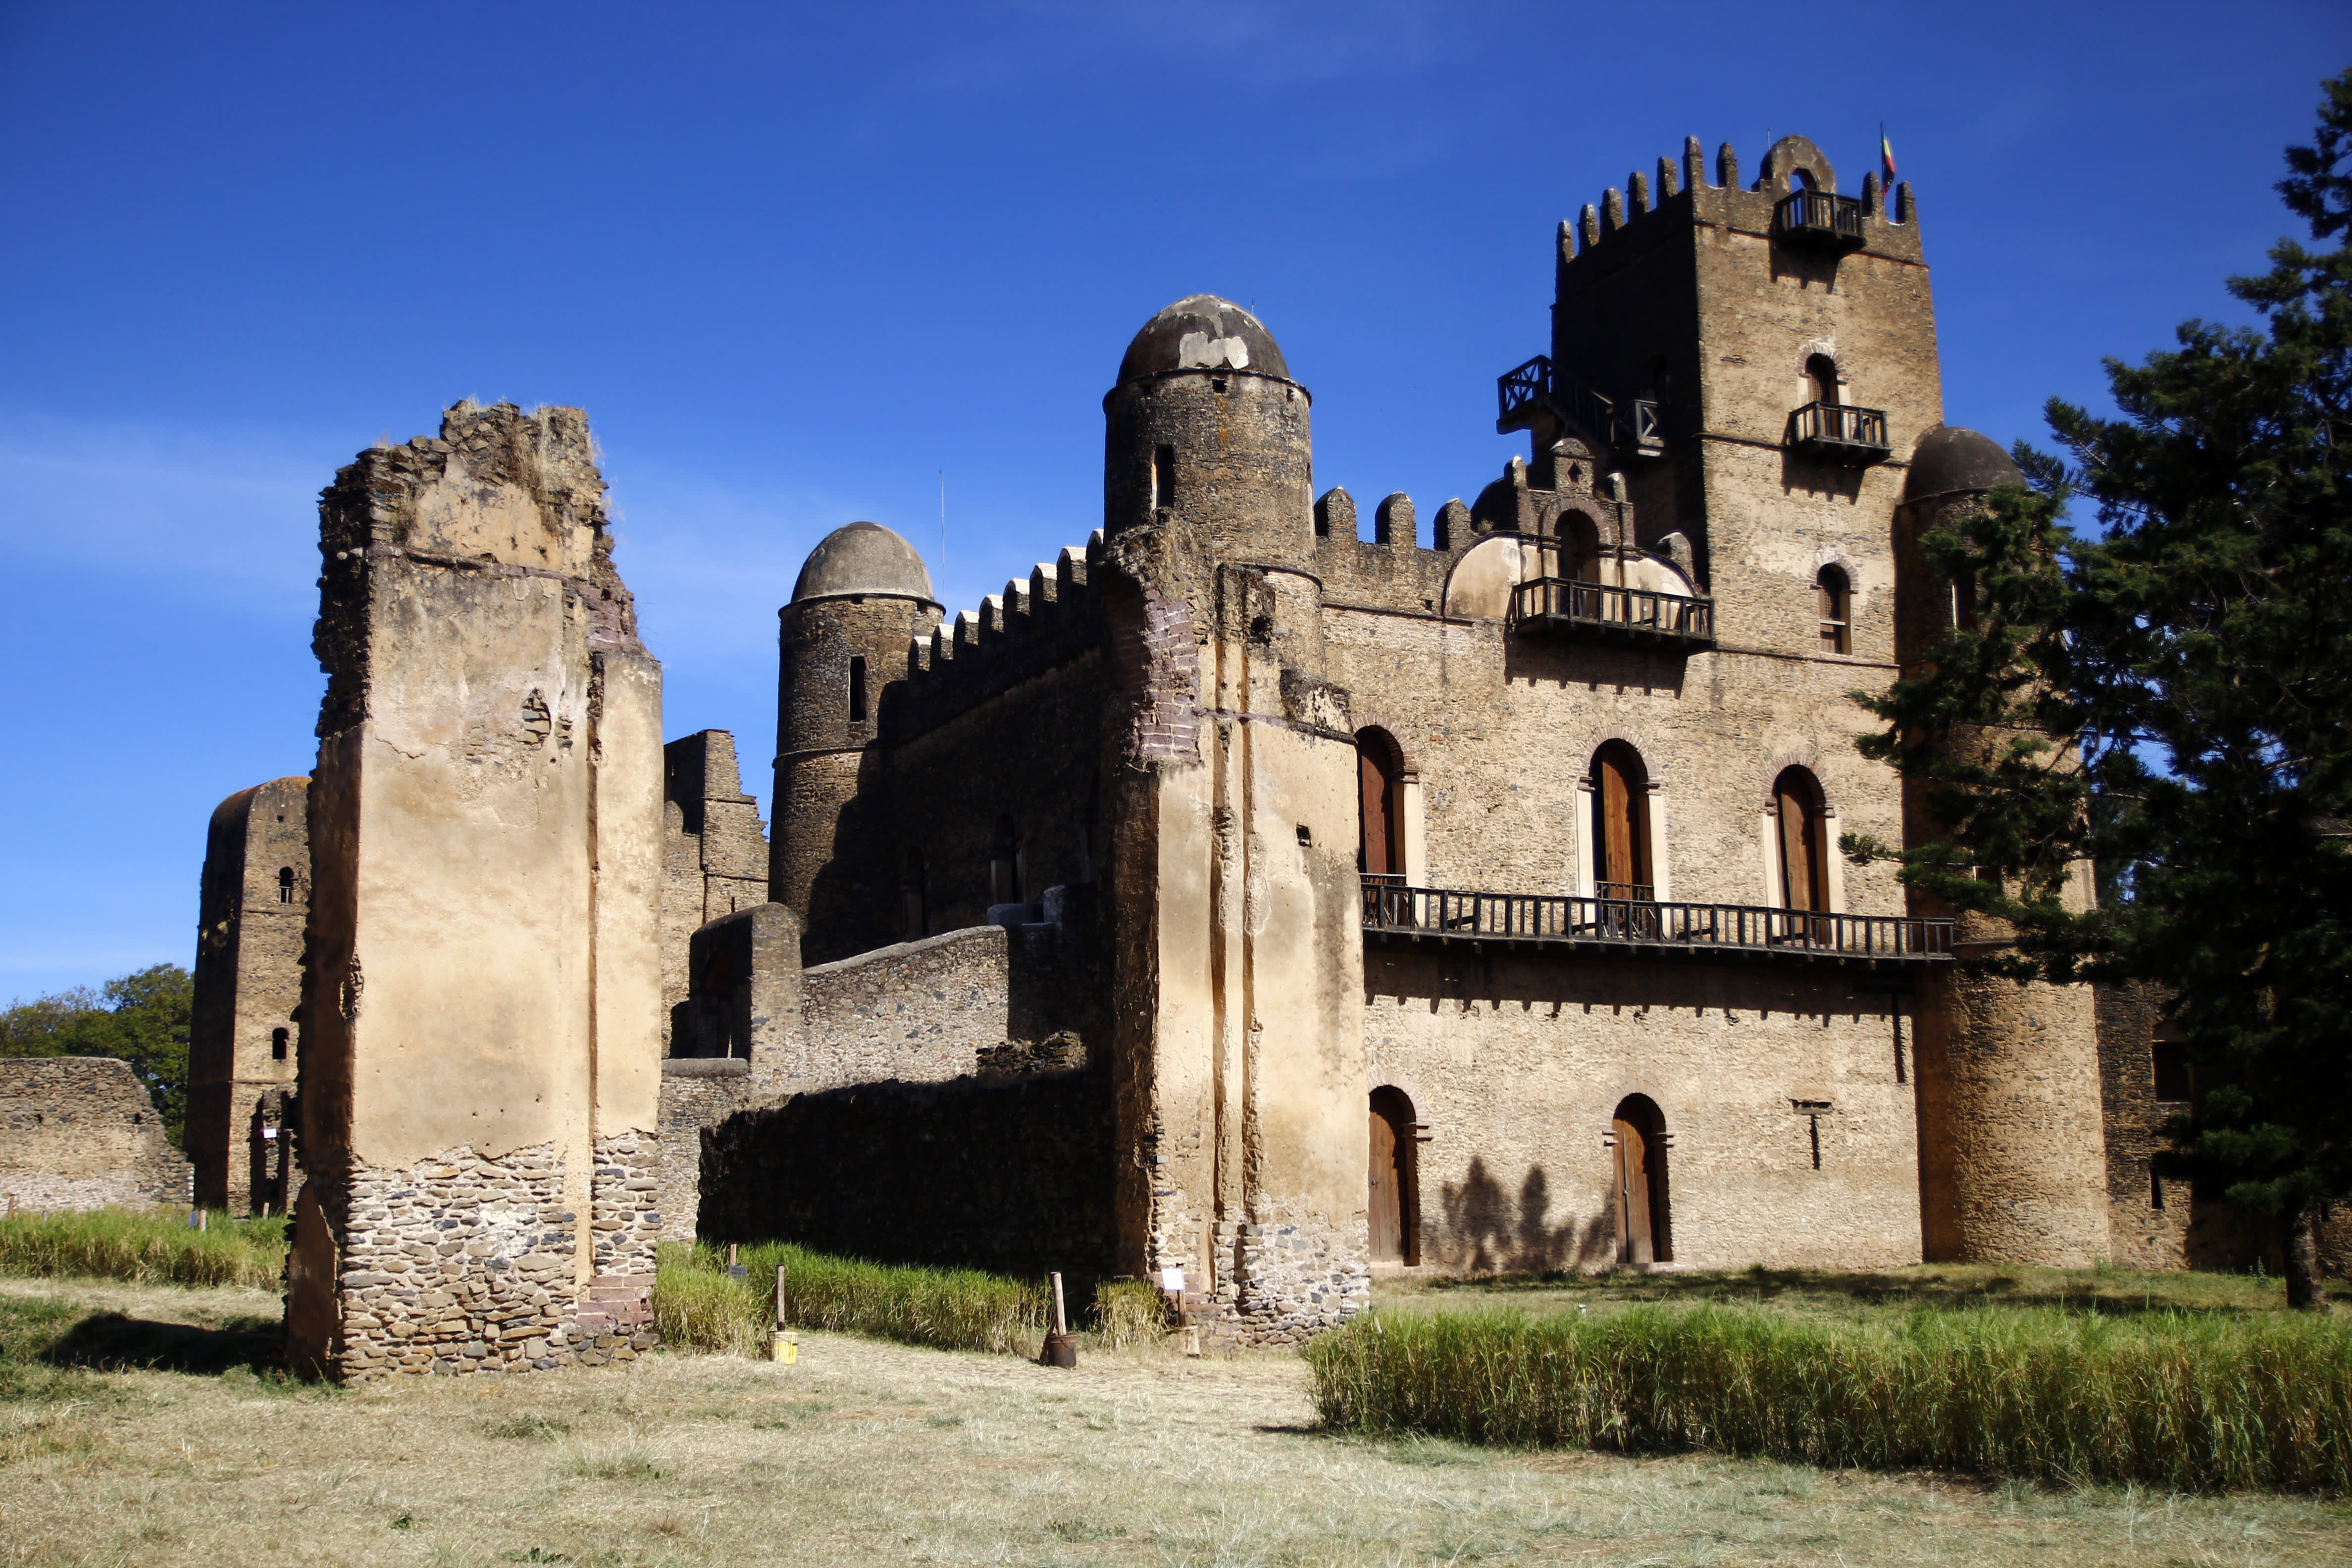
x,y
1819,218
1644,928
1525,392
1840,432
1595,612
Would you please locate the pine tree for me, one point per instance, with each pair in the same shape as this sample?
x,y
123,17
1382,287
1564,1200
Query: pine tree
x,y
2168,700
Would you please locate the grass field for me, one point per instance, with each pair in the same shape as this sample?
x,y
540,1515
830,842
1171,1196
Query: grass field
x,y
871,1452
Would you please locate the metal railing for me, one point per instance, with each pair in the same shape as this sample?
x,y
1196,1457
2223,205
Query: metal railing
x,y
1820,216
1637,613
1841,431
1695,930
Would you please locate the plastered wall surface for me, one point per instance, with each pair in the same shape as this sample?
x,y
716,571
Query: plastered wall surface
x,y
81,1132
482,1008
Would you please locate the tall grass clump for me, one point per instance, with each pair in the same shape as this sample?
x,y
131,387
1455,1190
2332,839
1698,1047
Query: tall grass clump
x,y
2191,1402
696,1305
154,1247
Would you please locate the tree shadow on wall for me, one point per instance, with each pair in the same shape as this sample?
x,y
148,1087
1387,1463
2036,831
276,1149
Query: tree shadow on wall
x,y
1493,1231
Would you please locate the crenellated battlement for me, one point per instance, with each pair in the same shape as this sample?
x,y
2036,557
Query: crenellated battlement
x,y
1030,626
1791,166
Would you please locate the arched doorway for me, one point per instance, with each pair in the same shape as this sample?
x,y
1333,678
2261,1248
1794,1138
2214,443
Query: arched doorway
x,y
1620,823
1004,863
1822,379
1396,1198
1644,1227
1802,821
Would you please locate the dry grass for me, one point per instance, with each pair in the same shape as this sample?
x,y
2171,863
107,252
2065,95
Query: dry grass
x,y
877,1453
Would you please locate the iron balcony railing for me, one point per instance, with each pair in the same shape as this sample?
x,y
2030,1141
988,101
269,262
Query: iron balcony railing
x,y
1820,217
1524,391
1646,928
1840,432
1596,610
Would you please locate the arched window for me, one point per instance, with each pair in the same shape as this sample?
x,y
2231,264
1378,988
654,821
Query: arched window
x,y
1395,1199
1821,380
1801,825
1835,603
1580,547
911,884
1620,823
857,689
1644,1225
286,884
1004,863
1379,843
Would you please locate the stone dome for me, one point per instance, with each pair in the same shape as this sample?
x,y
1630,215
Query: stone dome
x,y
1952,457
862,558
1202,332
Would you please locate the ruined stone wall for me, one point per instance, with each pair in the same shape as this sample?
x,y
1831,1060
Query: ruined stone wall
x,y
255,900
714,851
696,1094
481,1016
81,1132
1741,1061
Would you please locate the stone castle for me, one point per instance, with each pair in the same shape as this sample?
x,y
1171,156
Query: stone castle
x,y
1235,901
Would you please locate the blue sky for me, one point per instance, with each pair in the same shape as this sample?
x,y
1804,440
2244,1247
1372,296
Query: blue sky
x,y
797,261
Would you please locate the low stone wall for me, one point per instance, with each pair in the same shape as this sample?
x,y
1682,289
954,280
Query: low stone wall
x,y
916,1012
1012,1174
695,1094
465,1264
81,1132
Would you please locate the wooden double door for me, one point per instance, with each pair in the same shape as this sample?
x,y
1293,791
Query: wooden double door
x,y
1644,1228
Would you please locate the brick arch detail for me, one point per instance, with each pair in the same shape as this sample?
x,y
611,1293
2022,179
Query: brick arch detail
x,y
1809,759
1408,758
1651,748
1827,348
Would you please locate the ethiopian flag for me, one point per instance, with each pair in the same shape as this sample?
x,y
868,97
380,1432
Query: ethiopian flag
x,y
1885,158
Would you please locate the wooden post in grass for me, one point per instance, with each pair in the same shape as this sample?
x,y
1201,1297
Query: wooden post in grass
x,y
784,1345
1061,1348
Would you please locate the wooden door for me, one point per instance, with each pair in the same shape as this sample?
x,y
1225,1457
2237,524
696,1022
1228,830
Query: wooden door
x,y
1636,1245
1377,853
1801,868
1618,826
1387,1206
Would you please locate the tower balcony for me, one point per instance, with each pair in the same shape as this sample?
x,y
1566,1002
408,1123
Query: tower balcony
x,y
1597,613
1526,392
1819,218
1840,432
1646,928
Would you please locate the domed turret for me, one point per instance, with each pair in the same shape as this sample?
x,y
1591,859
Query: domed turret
x,y
1206,428
1952,458
861,558
862,597
1202,332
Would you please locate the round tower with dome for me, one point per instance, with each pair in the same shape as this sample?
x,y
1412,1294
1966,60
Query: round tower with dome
x,y
862,597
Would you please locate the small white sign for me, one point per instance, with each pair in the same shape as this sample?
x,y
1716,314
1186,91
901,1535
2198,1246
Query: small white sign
x,y
1172,1280
268,1133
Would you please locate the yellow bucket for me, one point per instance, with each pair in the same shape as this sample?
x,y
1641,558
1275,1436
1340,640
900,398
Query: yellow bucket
x,y
784,1346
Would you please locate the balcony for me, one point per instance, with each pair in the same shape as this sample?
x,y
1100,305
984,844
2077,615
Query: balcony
x,y
1597,613
1644,928
1525,392
1819,218
1840,432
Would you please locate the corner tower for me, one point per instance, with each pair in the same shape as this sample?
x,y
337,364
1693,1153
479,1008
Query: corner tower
x,y
862,597
1206,425
2012,1145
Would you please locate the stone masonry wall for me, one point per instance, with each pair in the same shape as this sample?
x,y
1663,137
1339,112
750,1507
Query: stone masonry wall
x,y
695,1093
918,1012
81,1132
461,1265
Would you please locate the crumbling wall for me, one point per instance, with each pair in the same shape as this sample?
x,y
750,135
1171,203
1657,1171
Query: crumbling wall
x,y
81,1132
714,853
481,1015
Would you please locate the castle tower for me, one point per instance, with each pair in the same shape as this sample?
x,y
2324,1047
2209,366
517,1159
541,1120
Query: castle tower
x,y
1238,954
1207,423
241,1061
1751,361
862,597
2012,1149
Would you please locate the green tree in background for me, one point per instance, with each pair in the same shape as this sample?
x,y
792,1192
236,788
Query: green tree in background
x,y
143,1019
2168,700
